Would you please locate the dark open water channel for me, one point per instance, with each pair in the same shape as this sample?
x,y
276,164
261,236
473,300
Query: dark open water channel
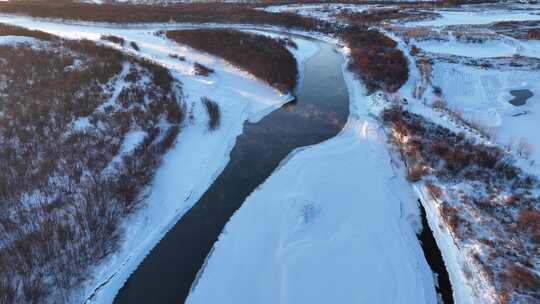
x,y
318,113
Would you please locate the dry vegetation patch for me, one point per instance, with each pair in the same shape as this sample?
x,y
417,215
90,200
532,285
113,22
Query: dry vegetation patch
x,y
6,29
114,39
182,12
264,57
375,16
376,59
517,29
202,70
68,173
214,114
487,202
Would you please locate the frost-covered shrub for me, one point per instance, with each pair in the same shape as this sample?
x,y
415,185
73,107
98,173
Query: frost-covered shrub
x,y
214,114
63,191
479,192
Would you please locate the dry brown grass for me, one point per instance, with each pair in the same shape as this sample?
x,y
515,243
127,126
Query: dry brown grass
x,y
214,114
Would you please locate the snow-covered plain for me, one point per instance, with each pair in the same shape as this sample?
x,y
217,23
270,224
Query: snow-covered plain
x,y
480,16
499,47
492,48
484,96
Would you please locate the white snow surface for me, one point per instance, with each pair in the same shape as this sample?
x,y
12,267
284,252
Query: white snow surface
x,y
132,140
503,47
478,17
331,225
494,48
483,96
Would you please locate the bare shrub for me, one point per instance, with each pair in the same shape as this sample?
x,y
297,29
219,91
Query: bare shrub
x,y
114,39
533,34
134,46
6,29
517,277
529,221
202,70
175,56
376,59
214,114
435,191
416,172
286,41
439,104
524,149
450,215
414,50
63,191
263,57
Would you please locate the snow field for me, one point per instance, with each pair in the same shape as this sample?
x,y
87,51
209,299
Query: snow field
x,y
480,16
483,96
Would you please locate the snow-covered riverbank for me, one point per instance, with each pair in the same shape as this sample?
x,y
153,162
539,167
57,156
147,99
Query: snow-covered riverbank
x,y
480,96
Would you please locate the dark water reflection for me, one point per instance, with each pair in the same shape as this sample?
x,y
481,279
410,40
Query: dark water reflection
x,y
318,113
520,97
